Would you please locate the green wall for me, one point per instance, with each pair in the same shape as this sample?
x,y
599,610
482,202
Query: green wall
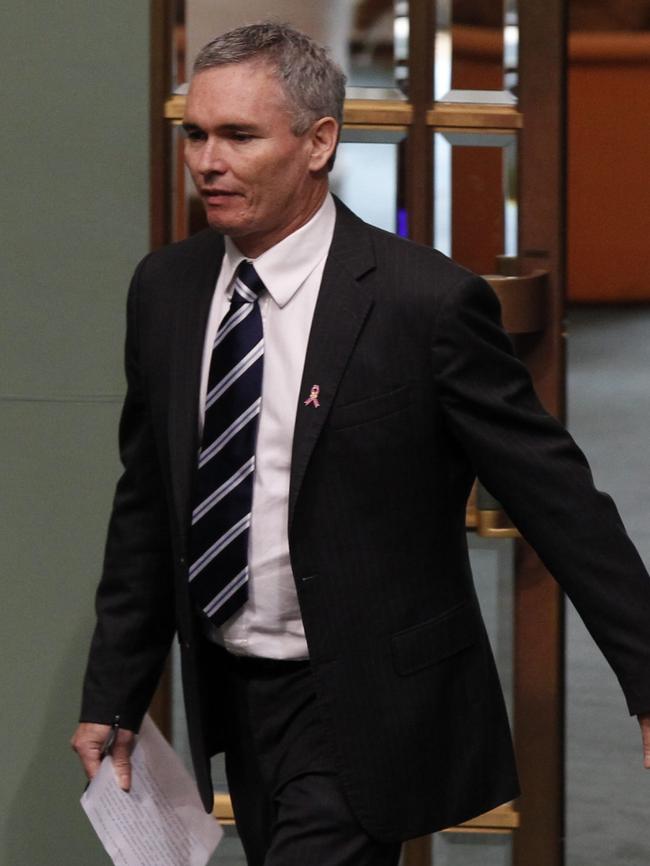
x,y
74,162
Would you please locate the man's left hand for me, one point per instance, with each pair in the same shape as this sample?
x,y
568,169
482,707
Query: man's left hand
x,y
644,722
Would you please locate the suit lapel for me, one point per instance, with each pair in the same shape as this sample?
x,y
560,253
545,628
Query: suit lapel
x,y
196,288
341,310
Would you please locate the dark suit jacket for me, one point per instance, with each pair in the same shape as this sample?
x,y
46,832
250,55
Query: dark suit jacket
x,y
419,391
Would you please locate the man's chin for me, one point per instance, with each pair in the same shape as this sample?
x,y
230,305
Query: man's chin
x,y
224,226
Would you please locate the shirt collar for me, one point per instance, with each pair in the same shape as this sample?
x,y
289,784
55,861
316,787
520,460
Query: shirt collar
x,y
284,267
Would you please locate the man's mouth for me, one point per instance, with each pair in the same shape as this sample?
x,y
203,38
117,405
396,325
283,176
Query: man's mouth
x,y
215,194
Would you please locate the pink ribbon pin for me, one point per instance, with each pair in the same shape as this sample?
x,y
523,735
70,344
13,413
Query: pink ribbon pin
x,y
313,396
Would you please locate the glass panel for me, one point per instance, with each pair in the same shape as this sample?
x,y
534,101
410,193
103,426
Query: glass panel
x,y
476,48
475,197
230,851
179,738
511,47
178,186
186,210
365,178
369,38
492,561
472,849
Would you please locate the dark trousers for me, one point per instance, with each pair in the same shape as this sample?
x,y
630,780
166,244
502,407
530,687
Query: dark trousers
x,y
289,807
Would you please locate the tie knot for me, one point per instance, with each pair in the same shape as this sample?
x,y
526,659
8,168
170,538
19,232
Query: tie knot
x,y
248,285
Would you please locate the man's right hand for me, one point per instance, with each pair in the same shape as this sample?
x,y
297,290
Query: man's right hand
x,y
88,741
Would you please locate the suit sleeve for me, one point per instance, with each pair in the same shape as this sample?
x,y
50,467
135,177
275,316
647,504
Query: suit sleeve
x,y
134,601
529,462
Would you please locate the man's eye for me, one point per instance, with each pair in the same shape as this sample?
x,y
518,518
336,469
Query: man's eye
x,y
242,136
194,135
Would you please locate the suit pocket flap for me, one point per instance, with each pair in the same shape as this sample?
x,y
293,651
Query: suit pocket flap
x,y
370,409
436,639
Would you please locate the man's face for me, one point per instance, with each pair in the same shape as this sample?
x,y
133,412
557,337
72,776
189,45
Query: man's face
x,y
255,177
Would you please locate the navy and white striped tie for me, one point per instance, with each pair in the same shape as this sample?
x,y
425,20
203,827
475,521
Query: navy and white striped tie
x,y
224,488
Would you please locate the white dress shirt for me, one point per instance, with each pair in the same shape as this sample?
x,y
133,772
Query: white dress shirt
x,y
269,624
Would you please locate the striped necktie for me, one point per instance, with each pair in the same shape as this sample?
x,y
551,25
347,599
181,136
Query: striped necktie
x,y
224,487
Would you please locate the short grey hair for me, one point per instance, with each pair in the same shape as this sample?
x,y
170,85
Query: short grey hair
x,y
312,82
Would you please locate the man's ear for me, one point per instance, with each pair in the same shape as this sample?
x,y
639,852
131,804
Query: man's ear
x,y
324,136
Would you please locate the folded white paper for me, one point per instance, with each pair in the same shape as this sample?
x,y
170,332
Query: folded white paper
x,y
160,821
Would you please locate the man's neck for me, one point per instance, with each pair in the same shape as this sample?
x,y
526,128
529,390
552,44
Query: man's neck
x,y
253,246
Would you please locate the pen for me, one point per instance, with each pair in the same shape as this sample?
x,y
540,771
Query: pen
x,y
110,739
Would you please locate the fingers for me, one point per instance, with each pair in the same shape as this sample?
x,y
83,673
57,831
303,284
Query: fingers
x,y
88,742
644,722
121,754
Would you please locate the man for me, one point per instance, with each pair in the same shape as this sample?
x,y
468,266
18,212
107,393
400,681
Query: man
x,y
341,388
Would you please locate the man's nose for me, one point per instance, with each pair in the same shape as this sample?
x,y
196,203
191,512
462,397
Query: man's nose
x,y
211,160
